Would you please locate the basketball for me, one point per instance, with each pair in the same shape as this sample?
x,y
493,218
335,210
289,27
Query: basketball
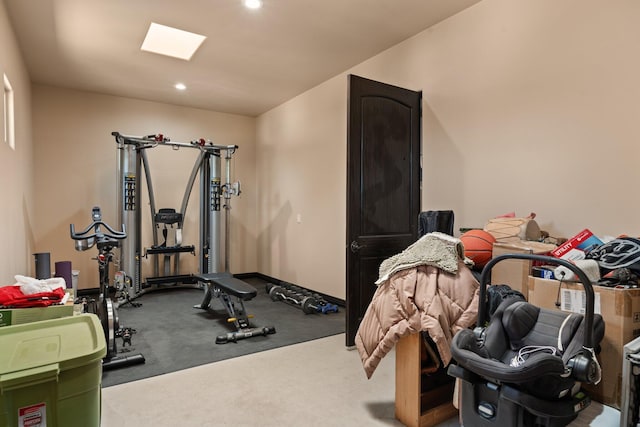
x,y
478,246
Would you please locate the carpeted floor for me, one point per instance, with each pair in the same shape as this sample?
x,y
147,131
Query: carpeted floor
x,y
172,335
315,383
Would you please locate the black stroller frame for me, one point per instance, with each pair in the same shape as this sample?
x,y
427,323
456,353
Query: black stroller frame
x,y
493,392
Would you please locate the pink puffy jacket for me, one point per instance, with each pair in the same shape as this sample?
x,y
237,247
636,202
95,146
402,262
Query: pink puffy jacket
x,y
423,298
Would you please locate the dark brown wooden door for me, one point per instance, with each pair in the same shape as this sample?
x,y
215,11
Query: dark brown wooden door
x,y
383,185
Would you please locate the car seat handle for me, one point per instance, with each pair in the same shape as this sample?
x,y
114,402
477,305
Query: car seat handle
x,y
586,283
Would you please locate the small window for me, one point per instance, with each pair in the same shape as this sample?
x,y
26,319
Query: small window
x,y
9,122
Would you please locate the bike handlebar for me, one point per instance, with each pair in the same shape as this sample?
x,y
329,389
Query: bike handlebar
x,y
86,238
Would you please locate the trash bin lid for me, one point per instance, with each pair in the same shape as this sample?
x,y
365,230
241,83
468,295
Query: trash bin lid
x,y
68,341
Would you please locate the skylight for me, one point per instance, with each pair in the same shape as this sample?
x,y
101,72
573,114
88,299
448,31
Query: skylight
x,y
172,42
253,4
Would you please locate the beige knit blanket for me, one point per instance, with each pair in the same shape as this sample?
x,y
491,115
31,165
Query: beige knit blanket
x,y
435,249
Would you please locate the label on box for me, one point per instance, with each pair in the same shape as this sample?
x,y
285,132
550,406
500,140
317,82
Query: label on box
x,y
5,317
546,274
575,248
33,416
543,272
575,301
573,254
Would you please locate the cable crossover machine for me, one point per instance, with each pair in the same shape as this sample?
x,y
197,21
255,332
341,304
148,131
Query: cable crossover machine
x,y
216,280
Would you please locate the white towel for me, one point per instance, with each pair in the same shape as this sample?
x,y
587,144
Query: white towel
x,y
29,285
436,249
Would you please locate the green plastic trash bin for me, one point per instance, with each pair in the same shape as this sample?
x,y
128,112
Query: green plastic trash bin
x,y
51,372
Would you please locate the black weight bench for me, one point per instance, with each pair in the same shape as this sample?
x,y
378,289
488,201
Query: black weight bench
x,y
225,286
229,284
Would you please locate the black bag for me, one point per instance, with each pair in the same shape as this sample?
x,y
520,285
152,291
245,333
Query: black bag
x,y
496,294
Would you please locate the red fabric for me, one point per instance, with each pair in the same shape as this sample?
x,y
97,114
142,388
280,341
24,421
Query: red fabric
x,y
12,296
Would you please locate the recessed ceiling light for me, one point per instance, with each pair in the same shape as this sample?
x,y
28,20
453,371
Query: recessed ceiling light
x,y
171,41
253,4
180,86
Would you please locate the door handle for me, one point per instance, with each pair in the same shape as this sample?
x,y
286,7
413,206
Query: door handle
x,y
355,246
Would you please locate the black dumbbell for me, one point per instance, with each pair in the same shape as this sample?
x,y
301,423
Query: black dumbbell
x,y
275,292
310,305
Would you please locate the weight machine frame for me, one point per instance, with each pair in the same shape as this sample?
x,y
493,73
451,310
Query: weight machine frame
x,y
132,163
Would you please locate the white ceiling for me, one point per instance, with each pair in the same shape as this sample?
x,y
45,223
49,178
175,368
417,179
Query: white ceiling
x,y
250,62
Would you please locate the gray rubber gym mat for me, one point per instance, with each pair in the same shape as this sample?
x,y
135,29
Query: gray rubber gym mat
x,y
172,335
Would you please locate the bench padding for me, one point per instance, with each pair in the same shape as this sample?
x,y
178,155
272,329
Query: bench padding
x,y
229,284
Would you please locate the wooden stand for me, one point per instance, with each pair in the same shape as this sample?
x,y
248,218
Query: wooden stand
x,y
424,391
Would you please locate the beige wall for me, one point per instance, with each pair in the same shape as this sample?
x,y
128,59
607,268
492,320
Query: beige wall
x,y
301,170
527,106
16,169
76,169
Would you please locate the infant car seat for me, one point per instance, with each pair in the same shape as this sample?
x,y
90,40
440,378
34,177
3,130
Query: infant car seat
x,y
525,368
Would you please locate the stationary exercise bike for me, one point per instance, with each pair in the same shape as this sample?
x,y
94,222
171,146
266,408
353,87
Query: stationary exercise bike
x,y
104,307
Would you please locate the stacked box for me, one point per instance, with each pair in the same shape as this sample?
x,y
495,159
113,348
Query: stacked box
x,y
620,309
19,316
516,272
576,247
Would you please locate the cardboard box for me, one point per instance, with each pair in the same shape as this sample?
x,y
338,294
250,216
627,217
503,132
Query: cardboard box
x,y
620,309
575,248
18,316
516,272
